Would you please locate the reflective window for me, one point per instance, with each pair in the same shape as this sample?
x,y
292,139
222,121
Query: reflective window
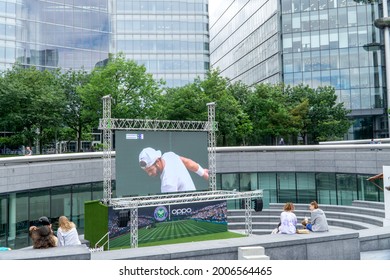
x,y
40,27
80,194
248,182
267,182
3,220
346,188
230,182
61,202
286,187
18,232
326,188
367,190
306,187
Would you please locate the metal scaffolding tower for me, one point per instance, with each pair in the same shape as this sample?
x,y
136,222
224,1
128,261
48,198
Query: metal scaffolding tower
x,y
107,124
212,144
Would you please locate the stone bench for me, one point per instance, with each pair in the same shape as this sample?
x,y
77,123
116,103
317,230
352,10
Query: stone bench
x,y
77,252
374,239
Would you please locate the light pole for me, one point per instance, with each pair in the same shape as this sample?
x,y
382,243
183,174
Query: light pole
x,y
382,23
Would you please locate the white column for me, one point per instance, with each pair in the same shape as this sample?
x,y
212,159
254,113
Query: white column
x,y
386,194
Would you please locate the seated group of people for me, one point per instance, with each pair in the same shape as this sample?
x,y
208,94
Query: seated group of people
x,y
43,236
288,220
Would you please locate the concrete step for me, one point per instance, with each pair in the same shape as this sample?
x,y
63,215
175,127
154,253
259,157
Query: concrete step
x,y
255,225
269,215
331,222
333,208
369,204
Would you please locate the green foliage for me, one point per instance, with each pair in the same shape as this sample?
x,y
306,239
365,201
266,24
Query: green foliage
x,y
324,119
135,93
31,103
66,106
185,103
229,114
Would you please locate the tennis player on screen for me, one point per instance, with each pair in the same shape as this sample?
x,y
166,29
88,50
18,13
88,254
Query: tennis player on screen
x,y
172,168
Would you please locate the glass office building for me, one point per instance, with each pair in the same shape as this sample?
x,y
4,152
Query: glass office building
x,y
244,41
54,34
313,42
169,37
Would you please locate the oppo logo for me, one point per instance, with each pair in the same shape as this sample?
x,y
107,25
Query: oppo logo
x,y
182,211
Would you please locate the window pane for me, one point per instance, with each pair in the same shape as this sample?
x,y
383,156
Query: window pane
x,y
346,188
267,183
81,193
326,188
287,187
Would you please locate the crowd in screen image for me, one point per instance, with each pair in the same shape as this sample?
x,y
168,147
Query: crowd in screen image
x,y
212,213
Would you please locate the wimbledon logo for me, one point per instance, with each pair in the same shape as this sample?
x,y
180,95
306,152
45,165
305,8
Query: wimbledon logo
x,y
160,213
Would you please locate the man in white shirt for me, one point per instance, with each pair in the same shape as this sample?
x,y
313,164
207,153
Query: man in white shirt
x,y
172,168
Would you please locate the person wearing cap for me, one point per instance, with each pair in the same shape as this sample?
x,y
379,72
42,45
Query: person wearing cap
x,y
172,168
42,235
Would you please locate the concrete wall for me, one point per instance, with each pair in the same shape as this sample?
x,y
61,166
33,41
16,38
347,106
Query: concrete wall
x,y
35,172
337,244
359,161
25,173
334,245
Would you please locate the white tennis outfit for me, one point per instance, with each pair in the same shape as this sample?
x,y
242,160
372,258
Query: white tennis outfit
x,y
175,176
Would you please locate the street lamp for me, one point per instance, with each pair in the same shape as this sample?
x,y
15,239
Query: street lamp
x,y
382,23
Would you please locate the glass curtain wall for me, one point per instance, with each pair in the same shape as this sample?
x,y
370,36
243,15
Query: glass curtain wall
x,y
326,188
245,41
54,33
334,43
171,38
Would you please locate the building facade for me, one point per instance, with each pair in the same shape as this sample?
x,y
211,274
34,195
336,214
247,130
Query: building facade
x,y
317,43
169,37
54,34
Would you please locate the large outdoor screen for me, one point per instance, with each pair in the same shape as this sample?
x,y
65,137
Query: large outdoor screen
x,y
155,162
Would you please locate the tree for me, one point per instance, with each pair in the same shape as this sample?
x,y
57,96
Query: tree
x,y
185,103
228,111
326,119
32,103
269,112
135,93
190,103
72,83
